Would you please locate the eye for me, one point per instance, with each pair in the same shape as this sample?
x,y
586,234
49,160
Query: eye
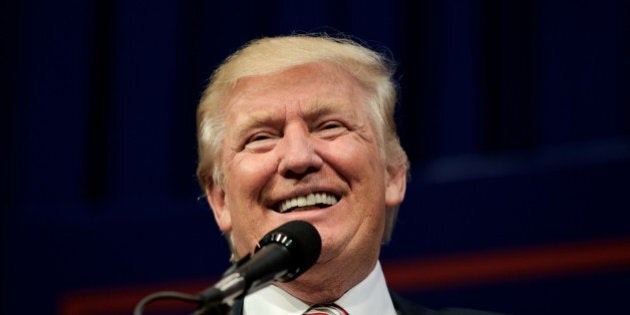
x,y
332,129
258,137
331,125
260,141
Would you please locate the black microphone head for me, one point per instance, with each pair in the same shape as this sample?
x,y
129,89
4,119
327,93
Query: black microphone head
x,y
302,241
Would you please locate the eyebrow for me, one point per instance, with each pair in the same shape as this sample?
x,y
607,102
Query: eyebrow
x,y
316,109
258,118
323,108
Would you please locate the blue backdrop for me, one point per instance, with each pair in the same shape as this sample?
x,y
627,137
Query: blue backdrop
x,y
515,115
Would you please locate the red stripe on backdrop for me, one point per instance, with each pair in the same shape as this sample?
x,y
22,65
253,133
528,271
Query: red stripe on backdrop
x,y
504,265
121,301
421,274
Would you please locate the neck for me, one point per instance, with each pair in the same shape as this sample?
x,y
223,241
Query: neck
x,y
325,283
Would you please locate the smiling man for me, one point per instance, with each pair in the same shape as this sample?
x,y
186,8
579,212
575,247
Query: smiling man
x,y
301,128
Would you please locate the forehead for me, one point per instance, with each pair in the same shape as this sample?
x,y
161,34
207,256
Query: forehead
x,y
321,86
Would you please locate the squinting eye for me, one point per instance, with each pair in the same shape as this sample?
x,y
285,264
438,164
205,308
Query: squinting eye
x,y
258,137
260,142
331,125
332,129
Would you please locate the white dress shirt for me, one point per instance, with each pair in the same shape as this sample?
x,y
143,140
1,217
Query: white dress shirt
x,y
369,296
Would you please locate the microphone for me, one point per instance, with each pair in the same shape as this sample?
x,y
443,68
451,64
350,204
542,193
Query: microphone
x,y
281,255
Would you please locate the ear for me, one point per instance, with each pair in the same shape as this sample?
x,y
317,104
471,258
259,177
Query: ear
x,y
216,198
396,185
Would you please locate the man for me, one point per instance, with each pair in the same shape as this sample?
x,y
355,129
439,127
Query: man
x,y
301,128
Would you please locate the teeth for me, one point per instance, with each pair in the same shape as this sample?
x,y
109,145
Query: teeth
x,y
308,201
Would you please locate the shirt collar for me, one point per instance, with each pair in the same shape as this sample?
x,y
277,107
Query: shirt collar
x,y
369,296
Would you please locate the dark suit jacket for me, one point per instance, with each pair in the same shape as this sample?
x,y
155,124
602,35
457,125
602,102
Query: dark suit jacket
x,y
406,307
403,307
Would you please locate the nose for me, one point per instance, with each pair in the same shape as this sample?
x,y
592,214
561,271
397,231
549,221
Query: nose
x,y
298,156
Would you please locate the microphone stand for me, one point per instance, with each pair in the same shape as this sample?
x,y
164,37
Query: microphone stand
x,y
204,307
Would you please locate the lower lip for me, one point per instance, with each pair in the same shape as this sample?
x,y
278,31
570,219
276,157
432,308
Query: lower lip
x,y
307,209
307,212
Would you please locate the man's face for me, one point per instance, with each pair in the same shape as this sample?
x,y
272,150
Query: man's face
x,y
299,146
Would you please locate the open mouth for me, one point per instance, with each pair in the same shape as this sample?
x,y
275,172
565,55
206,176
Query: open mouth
x,y
307,202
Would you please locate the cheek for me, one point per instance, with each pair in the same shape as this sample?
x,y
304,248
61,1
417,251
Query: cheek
x,y
362,169
356,162
246,175
366,172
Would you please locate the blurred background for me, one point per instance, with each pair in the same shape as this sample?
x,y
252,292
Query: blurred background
x,y
515,115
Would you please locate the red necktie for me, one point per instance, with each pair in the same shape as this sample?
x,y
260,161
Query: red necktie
x,y
326,309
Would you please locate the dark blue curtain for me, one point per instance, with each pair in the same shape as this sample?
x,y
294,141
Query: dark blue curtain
x,y
515,115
